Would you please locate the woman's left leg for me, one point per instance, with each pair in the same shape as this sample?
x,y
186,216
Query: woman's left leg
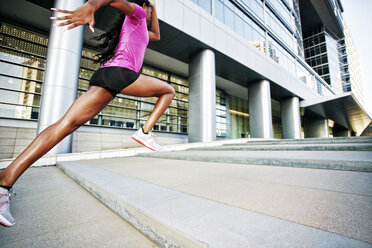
x,y
82,110
146,86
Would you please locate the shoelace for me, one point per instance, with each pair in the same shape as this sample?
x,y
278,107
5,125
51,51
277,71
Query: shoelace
x,y
150,134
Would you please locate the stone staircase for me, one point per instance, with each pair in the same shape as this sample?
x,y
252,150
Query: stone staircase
x,y
354,153
220,194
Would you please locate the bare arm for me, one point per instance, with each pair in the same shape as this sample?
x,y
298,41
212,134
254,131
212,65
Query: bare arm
x,y
85,14
123,5
154,34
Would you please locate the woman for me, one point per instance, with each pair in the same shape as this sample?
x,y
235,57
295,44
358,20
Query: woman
x,y
119,75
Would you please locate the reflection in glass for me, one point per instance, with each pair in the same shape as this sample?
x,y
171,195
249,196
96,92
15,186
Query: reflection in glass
x,y
221,114
239,118
22,56
204,4
22,63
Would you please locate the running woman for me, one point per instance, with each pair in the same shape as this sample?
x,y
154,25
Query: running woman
x,y
125,53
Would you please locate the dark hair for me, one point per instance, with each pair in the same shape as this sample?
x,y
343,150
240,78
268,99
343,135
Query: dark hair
x,y
111,36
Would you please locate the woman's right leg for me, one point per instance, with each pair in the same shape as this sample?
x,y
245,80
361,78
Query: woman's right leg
x,y
146,86
82,110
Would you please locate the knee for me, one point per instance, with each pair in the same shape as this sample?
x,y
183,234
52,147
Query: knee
x,y
69,125
172,92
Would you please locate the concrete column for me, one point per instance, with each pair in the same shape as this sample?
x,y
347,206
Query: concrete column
x,y
316,128
291,118
61,74
260,117
202,97
340,132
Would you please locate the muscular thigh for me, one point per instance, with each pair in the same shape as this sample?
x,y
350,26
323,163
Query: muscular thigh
x,y
146,86
88,105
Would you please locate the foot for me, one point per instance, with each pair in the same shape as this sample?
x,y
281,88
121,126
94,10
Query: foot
x,y
6,219
146,140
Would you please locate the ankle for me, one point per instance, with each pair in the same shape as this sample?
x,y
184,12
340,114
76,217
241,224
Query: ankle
x,y
144,131
4,183
5,187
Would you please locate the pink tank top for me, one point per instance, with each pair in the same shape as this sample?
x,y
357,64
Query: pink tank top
x,y
133,40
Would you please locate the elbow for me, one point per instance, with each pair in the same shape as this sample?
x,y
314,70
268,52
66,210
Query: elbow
x,y
154,38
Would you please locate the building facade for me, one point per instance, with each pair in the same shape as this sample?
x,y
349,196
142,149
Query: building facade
x,y
238,68
322,54
351,75
332,54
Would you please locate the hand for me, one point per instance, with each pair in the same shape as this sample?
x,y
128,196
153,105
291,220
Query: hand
x,y
81,16
152,3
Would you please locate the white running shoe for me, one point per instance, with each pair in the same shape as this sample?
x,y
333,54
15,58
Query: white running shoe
x,y
6,219
146,140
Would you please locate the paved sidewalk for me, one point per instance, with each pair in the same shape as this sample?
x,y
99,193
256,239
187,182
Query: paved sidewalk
x,y
51,211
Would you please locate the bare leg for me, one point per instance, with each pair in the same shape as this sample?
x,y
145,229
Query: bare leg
x,y
82,110
146,86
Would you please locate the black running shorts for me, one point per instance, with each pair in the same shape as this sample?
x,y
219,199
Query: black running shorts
x,y
114,79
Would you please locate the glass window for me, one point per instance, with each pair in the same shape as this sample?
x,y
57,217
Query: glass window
x,y
229,18
238,21
239,118
279,29
248,31
282,10
204,4
219,10
221,114
281,56
22,56
239,25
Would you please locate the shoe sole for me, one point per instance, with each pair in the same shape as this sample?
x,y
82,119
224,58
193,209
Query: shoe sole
x,y
142,143
4,222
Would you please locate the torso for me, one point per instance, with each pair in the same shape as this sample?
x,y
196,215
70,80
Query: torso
x,y
133,41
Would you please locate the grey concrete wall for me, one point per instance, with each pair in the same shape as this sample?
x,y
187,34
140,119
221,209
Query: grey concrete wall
x,y
102,138
13,140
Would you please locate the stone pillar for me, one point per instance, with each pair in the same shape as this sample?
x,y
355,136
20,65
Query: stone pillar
x,y
341,132
291,118
202,97
61,74
316,128
260,117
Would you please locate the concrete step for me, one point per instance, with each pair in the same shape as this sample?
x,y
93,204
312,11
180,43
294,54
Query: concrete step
x,y
337,160
290,147
172,218
50,160
337,140
52,211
